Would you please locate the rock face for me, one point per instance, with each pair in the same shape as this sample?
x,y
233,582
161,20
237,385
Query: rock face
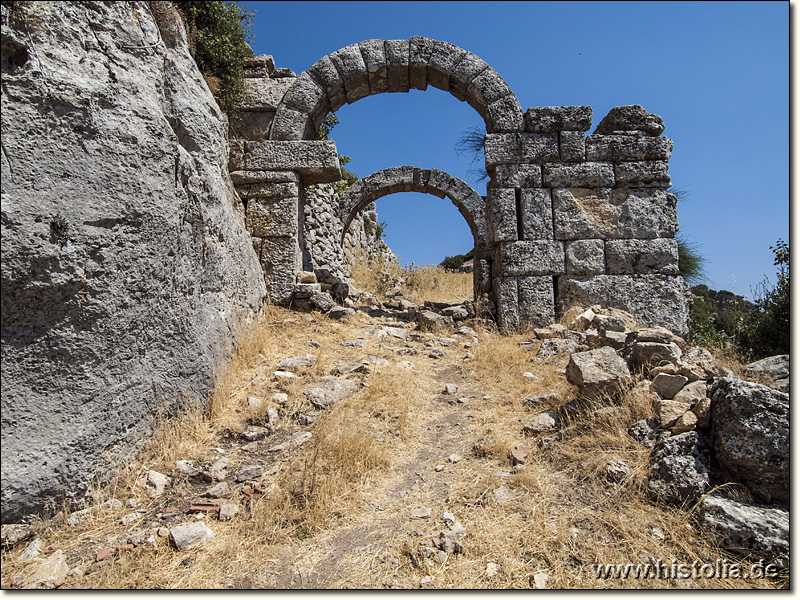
x,y
750,433
126,266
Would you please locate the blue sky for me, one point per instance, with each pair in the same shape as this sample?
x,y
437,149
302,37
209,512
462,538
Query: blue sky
x,y
717,72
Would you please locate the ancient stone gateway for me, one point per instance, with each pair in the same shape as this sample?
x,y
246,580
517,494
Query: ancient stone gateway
x,y
568,218
425,181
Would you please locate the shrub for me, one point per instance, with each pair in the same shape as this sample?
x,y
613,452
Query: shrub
x,y
218,33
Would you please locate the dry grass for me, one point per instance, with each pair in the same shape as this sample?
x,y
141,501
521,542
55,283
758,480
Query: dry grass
x,y
336,511
419,282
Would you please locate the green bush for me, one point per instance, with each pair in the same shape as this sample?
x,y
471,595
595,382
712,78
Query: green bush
x,y
455,262
767,333
218,33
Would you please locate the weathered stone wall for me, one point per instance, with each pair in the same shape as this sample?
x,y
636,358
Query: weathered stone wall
x,y
578,219
569,218
126,269
292,216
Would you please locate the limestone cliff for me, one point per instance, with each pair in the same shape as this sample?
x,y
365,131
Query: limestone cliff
x,y
126,268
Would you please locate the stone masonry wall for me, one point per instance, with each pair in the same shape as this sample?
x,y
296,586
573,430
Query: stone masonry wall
x,y
569,218
294,223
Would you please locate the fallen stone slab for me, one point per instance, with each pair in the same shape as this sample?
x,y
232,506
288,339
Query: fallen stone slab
x,y
12,534
746,528
680,468
297,363
51,573
295,441
544,421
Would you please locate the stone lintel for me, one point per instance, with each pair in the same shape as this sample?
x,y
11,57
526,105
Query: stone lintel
x,y
316,161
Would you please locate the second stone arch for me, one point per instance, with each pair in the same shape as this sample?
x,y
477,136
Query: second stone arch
x,y
469,203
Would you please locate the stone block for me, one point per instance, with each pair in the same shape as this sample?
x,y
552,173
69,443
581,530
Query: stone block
x,y
467,69
649,173
631,118
397,65
627,148
598,371
350,65
503,115
614,214
252,125
291,124
578,175
502,215
438,182
535,257
653,299
247,177
486,88
443,61
420,181
325,73
272,217
374,54
316,161
257,242
536,302
265,94
419,55
521,176
747,528
572,145
306,95
537,214
507,300
259,66
279,264
585,257
547,119
505,148
642,257
267,190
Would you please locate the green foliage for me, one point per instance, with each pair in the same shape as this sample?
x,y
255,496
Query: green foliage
x,y
750,330
767,333
218,34
348,177
455,262
380,229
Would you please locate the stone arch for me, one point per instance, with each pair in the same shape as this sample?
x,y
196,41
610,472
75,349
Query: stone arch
x,y
381,66
425,181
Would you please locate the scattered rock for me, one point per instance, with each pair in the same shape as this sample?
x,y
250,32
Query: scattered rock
x,y
396,332
249,472
190,535
253,433
448,517
219,469
430,321
297,363
341,313
79,517
464,330
750,434
405,364
540,581
51,573
439,468
519,454
12,534
437,353
295,441
130,518
380,362
702,409
427,581
331,390
492,570
557,346
668,385
228,511
746,528
421,513
446,342
686,422
33,550
539,400
544,421
450,389
284,375
598,371
647,432
691,393
454,458
353,344
280,398
617,471
652,354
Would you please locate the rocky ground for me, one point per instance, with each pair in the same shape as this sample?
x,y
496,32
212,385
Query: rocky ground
x,y
404,446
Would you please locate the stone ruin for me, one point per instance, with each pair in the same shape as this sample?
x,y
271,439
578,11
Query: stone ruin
x,y
568,219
